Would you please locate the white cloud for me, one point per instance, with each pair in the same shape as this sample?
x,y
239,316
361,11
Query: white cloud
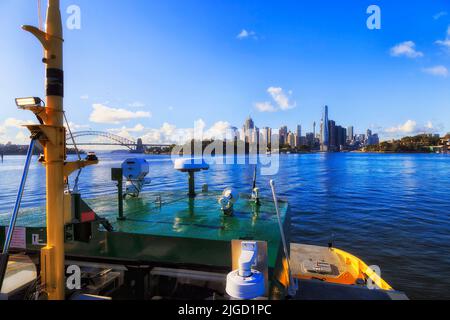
x,y
219,130
169,133
265,107
12,130
407,49
108,115
446,42
84,97
280,98
411,127
440,71
74,126
22,138
244,34
136,128
439,15
16,123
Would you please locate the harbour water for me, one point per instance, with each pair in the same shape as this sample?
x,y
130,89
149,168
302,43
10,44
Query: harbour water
x,y
391,210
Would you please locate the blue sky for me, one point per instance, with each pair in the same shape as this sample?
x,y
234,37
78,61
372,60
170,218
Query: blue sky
x,y
154,68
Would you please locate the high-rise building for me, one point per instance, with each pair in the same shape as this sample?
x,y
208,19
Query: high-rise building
x,y
283,134
324,131
299,130
372,139
341,137
298,136
332,135
350,133
310,139
266,135
254,136
291,140
249,124
248,130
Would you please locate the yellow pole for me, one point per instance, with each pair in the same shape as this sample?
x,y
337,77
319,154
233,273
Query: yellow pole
x,y
53,254
53,139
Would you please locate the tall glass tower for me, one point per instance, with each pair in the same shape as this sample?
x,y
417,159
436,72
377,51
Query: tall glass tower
x,y
324,134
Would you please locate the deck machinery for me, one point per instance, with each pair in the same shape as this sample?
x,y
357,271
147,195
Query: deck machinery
x,y
165,245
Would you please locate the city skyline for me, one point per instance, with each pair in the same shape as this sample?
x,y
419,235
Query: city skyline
x,y
250,133
279,62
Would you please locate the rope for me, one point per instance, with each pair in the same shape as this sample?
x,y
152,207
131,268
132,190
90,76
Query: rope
x,y
71,136
75,187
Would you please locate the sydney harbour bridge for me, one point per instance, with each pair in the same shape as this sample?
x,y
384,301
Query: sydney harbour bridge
x,y
109,139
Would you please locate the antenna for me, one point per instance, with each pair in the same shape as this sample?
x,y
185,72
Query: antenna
x,y
39,15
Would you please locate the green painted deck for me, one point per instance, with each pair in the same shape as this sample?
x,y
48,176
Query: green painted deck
x,y
174,230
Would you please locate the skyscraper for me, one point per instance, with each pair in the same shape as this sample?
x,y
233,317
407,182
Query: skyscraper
x,y
324,132
283,135
249,124
248,130
266,134
298,136
291,140
350,133
332,130
299,130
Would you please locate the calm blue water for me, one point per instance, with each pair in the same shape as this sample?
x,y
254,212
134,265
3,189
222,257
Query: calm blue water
x,y
390,210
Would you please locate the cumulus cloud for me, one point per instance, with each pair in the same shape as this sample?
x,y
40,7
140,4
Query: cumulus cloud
x,y
446,42
12,130
219,130
127,131
439,71
16,123
281,98
265,107
22,138
244,34
411,127
406,49
75,126
107,115
281,101
170,134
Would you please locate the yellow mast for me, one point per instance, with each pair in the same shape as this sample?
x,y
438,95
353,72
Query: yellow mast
x,y
52,136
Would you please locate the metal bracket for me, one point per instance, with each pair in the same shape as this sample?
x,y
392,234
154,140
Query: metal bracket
x,y
70,167
47,134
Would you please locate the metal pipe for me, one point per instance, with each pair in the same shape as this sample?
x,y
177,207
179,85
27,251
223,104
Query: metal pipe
x,y
191,179
12,224
5,254
292,284
120,199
